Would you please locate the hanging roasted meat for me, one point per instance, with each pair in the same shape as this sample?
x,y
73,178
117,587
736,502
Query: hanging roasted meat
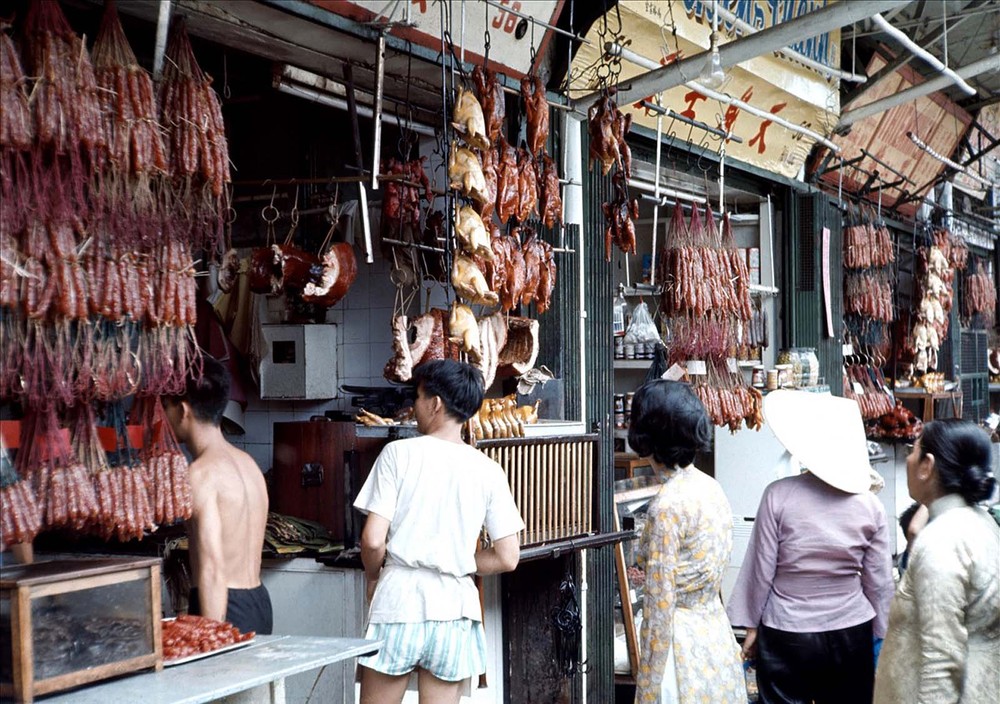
x,y
514,280
401,201
490,175
492,100
400,367
532,266
527,185
471,232
619,215
608,128
465,173
547,276
468,280
620,128
508,182
463,330
600,126
264,275
340,268
468,121
537,110
550,196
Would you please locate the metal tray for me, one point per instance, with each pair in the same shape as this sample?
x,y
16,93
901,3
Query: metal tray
x,y
210,653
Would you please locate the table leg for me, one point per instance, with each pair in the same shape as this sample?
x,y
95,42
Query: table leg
x,y
278,691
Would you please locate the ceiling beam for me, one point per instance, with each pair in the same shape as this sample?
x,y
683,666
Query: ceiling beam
x,y
989,63
743,49
903,58
972,107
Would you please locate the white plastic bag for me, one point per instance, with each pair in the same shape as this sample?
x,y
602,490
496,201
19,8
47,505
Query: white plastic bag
x,y
642,329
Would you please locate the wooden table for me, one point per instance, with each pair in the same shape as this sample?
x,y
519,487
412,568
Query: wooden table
x,y
929,398
253,674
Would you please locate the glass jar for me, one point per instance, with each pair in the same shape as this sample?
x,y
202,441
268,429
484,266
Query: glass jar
x,y
810,366
785,380
797,367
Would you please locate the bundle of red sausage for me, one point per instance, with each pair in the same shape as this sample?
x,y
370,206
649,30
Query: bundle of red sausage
x,y
191,635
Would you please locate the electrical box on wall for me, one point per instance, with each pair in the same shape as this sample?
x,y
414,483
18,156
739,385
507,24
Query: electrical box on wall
x,y
301,362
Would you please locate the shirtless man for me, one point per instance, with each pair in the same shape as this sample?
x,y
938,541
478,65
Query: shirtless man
x,y
229,508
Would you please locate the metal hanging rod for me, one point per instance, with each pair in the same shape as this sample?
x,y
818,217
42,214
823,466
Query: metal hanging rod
x,y
414,245
556,106
746,28
688,121
518,13
885,165
946,161
333,179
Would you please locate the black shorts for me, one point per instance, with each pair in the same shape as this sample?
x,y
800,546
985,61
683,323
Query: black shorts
x,y
247,609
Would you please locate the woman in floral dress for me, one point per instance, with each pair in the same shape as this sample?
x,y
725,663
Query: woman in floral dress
x,y
688,652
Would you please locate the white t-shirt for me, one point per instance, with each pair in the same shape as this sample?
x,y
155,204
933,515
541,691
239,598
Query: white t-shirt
x,y
437,496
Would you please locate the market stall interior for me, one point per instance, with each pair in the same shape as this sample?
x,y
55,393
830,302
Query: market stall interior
x,y
573,197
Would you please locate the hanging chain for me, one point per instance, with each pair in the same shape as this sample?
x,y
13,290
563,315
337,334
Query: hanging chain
x,y
486,34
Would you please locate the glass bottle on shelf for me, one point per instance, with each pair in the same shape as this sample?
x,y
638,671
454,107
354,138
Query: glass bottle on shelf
x,y
620,322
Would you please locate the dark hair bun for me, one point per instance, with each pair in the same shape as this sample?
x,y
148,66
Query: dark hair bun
x,y
978,484
669,423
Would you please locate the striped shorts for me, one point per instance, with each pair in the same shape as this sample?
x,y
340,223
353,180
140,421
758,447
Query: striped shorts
x,y
449,650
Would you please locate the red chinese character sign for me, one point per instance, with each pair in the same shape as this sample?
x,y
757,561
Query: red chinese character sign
x,y
508,53
772,83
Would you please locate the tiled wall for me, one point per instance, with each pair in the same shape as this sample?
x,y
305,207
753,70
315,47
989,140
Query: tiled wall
x,y
363,318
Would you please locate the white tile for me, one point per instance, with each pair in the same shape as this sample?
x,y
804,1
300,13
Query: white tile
x,y
356,359
356,326
382,293
258,426
357,295
380,325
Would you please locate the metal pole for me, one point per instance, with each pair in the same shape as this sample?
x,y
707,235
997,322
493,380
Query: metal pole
x,y
764,42
162,31
379,88
989,63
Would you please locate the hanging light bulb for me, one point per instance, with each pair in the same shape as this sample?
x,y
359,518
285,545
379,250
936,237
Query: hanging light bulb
x,y
712,75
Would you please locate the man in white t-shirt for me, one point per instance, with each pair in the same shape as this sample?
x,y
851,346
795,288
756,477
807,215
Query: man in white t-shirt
x,y
427,499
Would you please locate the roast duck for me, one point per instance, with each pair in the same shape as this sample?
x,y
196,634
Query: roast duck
x,y
471,232
508,182
469,282
551,200
490,175
465,173
608,127
468,121
537,112
520,273
288,269
620,215
491,99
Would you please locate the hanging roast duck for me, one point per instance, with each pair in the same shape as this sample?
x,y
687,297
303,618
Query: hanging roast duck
x,y
468,121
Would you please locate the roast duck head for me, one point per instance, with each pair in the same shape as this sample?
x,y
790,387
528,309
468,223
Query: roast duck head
x,y
467,119
465,173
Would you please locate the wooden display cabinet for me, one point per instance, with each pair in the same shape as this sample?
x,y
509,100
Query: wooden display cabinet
x,y
67,623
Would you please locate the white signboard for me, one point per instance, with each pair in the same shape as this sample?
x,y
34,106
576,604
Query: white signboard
x,y
467,23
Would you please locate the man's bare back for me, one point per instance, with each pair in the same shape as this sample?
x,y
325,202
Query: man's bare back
x,y
228,487
226,529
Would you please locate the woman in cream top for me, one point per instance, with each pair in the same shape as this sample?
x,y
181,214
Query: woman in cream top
x,y
943,641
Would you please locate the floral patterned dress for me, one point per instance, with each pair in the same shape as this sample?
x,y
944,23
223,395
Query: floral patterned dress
x,y
688,652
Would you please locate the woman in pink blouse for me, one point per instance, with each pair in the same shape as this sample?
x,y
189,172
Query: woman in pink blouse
x,y
815,585
688,653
